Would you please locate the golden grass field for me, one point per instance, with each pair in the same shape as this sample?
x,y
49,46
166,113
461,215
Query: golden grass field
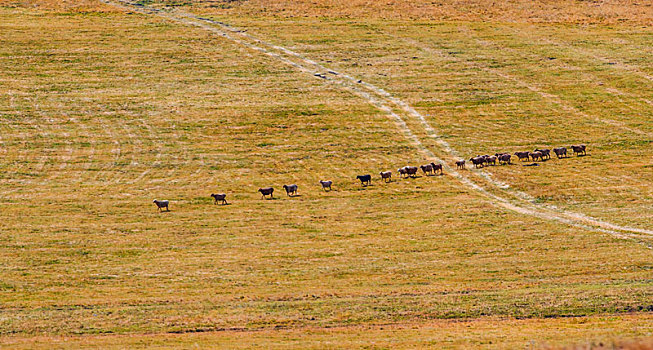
x,y
104,108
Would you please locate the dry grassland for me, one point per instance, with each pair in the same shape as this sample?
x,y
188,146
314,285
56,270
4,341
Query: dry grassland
x,y
103,111
539,11
484,333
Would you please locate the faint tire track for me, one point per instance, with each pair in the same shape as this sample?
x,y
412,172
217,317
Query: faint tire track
x,y
551,98
612,62
383,100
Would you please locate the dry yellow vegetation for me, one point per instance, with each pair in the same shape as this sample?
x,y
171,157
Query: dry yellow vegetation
x,y
538,11
485,333
105,109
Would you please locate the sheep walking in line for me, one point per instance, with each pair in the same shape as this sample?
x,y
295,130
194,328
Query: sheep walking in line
x,y
162,204
326,184
291,190
219,197
268,191
386,176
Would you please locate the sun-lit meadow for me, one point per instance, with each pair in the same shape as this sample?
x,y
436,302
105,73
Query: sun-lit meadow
x,y
104,109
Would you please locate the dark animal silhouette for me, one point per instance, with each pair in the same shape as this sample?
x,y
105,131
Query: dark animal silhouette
x,y
411,170
267,191
578,150
427,169
437,167
326,184
365,179
219,197
546,153
536,155
561,152
477,161
522,155
490,159
291,190
503,158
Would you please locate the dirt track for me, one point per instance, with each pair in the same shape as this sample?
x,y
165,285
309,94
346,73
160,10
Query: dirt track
x,y
494,191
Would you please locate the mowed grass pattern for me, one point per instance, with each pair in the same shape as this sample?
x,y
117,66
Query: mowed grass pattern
x,y
106,111
488,88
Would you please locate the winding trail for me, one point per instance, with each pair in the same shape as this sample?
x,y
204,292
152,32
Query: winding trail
x,y
494,191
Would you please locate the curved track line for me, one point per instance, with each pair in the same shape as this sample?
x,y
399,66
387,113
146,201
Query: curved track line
x,y
382,99
611,90
612,62
556,98
551,98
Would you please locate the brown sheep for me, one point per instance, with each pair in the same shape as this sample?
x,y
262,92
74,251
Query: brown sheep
x,y
490,159
411,170
536,156
546,153
578,150
437,167
477,161
560,152
504,158
460,164
427,169
386,176
522,155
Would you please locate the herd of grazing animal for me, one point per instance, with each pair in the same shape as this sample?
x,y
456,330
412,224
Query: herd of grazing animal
x,y
411,171
537,154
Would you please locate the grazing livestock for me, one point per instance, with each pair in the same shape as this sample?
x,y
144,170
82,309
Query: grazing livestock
x,y
460,164
386,176
522,155
546,153
578,150
560,152
427,169
402,172
365,179
536,156
161,204
326,184
437,167
477,161
219,197
504,158
490,159
411,170
290,190
267,191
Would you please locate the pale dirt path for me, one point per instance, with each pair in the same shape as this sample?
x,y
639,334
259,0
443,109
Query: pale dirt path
x,y
383,100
